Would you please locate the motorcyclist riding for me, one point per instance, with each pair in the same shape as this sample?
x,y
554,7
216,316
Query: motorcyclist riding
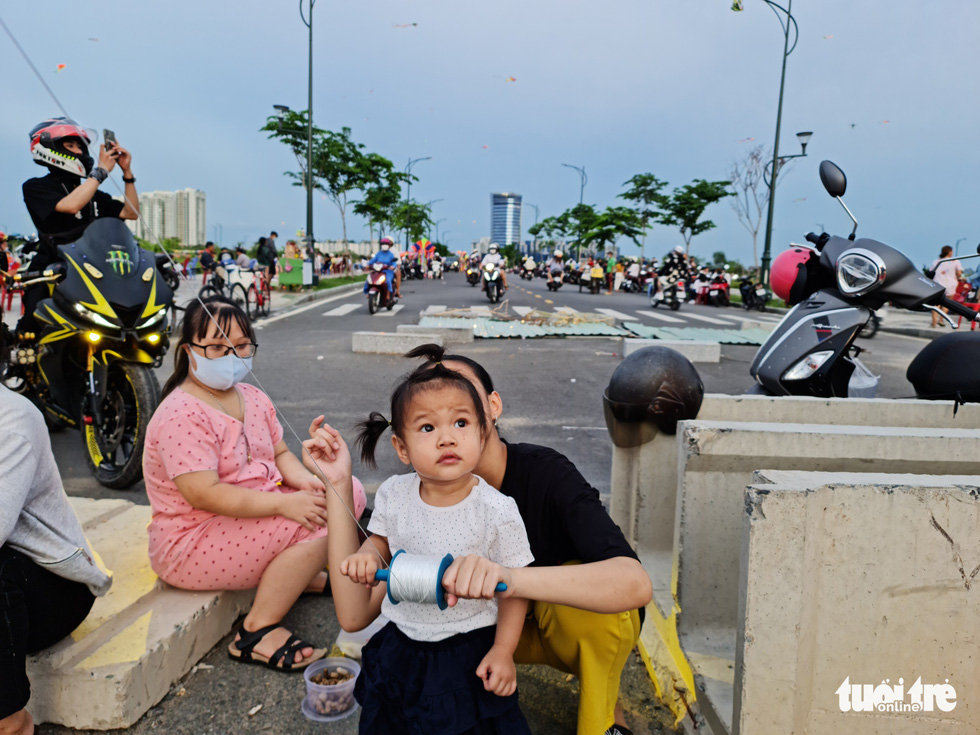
x,y
556,266
392,272
493,256
63,203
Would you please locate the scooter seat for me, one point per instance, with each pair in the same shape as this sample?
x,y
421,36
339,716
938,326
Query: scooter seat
x,y
948,368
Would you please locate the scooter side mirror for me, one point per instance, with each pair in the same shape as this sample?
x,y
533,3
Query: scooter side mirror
x,y
978,249
834,180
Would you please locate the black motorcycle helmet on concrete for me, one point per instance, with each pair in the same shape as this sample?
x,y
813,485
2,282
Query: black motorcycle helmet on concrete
x,y
48,146
945,369
651,390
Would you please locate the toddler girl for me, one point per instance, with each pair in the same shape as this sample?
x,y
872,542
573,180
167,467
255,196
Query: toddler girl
x,y
431,670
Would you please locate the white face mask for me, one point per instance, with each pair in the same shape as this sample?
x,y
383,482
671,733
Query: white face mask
x,y
385,247
220,373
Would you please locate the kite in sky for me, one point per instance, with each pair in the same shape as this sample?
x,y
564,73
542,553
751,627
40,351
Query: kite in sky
x,y
404,25
885,122
93,39
744,140
827,38
511,79
60,67
485,147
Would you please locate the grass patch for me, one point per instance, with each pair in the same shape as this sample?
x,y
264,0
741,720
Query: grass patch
x,y
338,281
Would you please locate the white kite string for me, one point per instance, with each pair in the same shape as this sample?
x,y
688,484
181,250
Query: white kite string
x,y
415,578
156,241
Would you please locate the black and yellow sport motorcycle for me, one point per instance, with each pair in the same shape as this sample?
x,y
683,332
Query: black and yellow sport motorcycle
x,y
103,328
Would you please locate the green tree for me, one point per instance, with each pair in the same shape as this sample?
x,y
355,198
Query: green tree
x,y
549,226
412,217
644,192
509,253
578,222
613,223
683,209
382,194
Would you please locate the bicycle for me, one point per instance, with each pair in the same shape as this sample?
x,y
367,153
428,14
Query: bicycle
x,y
258,298
217,285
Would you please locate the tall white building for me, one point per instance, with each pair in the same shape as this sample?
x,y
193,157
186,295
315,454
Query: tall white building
x,y
505,218
181,214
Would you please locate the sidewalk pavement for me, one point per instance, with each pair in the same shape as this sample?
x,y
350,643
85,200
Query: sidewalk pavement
x,y
902,321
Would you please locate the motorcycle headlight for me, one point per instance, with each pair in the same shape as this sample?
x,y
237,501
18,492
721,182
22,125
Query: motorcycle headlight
x,y
859,271
808,365
94,316
153,319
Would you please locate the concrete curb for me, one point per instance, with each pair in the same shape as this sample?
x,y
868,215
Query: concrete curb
x,y
392,343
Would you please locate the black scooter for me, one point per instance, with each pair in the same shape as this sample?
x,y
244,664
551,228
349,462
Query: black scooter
x,y
845,281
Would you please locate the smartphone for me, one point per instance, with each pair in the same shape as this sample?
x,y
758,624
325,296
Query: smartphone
x,y
110,139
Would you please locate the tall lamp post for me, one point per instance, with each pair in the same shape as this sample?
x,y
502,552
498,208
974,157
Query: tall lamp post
x,y
536,213
584,178
308,22
787,24
408,194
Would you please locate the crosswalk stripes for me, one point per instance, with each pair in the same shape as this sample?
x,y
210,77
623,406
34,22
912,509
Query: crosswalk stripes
x,y
394,310
521,310
343,309
708,319
567,310
657,316
616,314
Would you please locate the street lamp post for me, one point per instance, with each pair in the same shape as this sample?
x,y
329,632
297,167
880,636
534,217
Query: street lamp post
x,y
308,22
956,247
441,219
408,194
581,194
790,23
536,213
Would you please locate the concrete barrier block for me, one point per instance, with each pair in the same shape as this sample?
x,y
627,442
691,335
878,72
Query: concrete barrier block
x,y
450,335
857,584
392,343
138,639
693,350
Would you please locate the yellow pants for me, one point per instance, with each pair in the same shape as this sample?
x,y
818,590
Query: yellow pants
x,y
592,646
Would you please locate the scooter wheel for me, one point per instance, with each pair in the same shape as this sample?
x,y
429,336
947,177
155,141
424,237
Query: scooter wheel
x,y
675,305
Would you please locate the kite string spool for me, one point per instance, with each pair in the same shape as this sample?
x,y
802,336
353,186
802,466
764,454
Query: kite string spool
x,y
416,579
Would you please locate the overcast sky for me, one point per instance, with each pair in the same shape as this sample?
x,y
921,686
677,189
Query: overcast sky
x,y
889,88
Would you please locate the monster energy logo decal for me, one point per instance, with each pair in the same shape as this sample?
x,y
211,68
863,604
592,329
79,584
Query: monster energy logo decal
x,y
120,262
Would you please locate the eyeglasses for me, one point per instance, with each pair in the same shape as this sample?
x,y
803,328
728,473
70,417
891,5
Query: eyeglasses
x,y
213,352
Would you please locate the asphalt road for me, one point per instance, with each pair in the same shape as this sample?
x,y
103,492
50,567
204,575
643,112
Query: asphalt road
x,y
551,388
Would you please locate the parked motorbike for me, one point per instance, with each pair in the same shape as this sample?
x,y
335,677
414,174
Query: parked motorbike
x,y
718,292
378,294
492,282
104,329
835,287
754,296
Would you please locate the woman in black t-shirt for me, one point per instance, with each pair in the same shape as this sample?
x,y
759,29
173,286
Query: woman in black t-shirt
x,y
586,583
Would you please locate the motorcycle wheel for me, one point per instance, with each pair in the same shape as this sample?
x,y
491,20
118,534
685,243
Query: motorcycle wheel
x,y
252,303
172,279
761,306
594,288
114,451
240,296
373,301
675,305
390,304
493,293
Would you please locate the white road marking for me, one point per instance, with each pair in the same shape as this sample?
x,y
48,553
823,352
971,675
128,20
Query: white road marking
x,y
394,310
616,314
434,309
315,305
709,319
584,428
567,310
661,317
522,310
342,309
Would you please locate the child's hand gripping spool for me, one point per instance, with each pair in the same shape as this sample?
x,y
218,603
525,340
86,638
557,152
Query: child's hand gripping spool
x,y
418,578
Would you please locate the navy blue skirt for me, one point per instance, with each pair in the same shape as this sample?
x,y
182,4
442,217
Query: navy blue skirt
x,y
421,688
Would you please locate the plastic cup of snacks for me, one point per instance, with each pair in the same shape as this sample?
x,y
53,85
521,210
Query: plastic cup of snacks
x,y
330,689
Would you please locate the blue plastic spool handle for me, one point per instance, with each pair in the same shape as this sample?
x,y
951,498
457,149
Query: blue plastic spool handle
x,y
382,576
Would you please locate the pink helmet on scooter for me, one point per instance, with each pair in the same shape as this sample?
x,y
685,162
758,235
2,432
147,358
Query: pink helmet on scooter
x,y
789,273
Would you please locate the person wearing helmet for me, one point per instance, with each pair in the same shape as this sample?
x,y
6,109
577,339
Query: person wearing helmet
x,y
65,201
556,266
388,259
493,256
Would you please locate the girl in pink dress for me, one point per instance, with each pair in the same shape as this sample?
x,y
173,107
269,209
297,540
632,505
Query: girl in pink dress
x,y
233,508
